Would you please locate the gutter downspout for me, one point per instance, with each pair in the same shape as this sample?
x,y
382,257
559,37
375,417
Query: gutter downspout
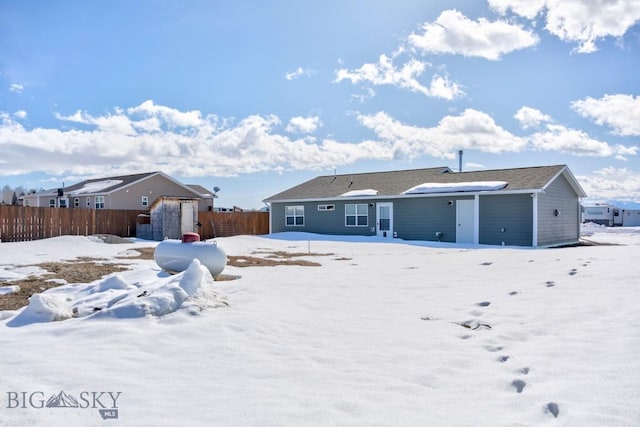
x,y
534,235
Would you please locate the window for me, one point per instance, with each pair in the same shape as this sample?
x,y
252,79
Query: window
x,y
52,203
88,202
99,202
326,207
145,200
63,203
76,202
294,215
356,215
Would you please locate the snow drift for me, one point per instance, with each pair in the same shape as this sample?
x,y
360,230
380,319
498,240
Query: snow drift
x,y
114,297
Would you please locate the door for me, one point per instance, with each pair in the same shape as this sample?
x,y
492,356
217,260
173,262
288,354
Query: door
x,y
384,221
186,217
464,221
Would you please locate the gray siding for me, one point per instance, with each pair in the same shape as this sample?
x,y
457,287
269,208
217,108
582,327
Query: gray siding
x,y
322,222
565,227
421,218
512,213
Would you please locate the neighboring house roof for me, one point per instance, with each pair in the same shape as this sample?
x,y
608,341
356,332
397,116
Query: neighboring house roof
x,y
201,190
396,183
108,185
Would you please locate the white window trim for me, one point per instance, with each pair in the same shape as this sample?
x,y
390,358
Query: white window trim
x,y
145,200
331,207
99,200
294,216
356,215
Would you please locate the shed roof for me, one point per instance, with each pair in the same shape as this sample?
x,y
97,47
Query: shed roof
x,y
395,183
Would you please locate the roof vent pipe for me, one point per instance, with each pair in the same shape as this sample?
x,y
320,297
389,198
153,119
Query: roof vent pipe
x,y
459,160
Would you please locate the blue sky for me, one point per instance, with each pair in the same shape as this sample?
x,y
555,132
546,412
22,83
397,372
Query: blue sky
x,y
257,96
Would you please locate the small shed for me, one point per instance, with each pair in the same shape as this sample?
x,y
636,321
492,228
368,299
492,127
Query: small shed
x,y
169,218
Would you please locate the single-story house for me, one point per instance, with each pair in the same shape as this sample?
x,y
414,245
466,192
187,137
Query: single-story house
x,y
531,206
131,192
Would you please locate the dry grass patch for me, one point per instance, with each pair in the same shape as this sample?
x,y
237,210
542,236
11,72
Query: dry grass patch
x,y
80,270
250,261
71,272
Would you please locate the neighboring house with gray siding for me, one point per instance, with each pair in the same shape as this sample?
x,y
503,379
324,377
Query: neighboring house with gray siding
x,y
532,206
129,192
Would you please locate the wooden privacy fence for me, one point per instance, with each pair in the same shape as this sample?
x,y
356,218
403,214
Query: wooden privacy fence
x,y
20,223
224,224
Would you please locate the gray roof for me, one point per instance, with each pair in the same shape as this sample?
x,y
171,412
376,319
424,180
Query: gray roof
x,y
201,190
395,183
107,185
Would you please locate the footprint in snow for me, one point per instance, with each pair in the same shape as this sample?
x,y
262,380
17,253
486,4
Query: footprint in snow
x,y
513,293
503,359
484,303
518,385
573,272
524,371
552,407
550,283
486,263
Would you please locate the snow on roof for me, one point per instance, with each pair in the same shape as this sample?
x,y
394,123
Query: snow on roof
x,y
96,186
359,193
452,187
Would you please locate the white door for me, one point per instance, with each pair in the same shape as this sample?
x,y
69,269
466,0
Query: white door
x,y
464,221
186,217
384,219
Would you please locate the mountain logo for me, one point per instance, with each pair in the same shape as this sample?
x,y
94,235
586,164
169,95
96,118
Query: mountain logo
x,y
62,400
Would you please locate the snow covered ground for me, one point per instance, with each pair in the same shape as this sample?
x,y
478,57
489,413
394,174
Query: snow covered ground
x,y
381,334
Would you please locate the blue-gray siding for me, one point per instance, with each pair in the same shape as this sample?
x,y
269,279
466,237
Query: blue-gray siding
x,y
322,222
562,228
421,218
507,218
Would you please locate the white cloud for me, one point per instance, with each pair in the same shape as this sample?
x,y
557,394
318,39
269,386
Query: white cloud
x,y
123,142
297,73
384,72
454,33
21,114
472,129
621,112
572,141
16,87
580,21
612,184
528,8
303,124
530,117
170,116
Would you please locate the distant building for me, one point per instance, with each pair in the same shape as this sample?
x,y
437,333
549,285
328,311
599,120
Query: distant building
x,y
601,213
130,192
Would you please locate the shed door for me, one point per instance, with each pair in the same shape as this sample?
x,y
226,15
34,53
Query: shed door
x,y
464,221
186,217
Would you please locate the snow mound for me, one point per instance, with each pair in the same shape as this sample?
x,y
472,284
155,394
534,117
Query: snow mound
x,y
360,193
6,290
43,308
113,297
453,187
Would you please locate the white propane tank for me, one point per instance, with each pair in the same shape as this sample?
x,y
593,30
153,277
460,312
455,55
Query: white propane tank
x,y
176,255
